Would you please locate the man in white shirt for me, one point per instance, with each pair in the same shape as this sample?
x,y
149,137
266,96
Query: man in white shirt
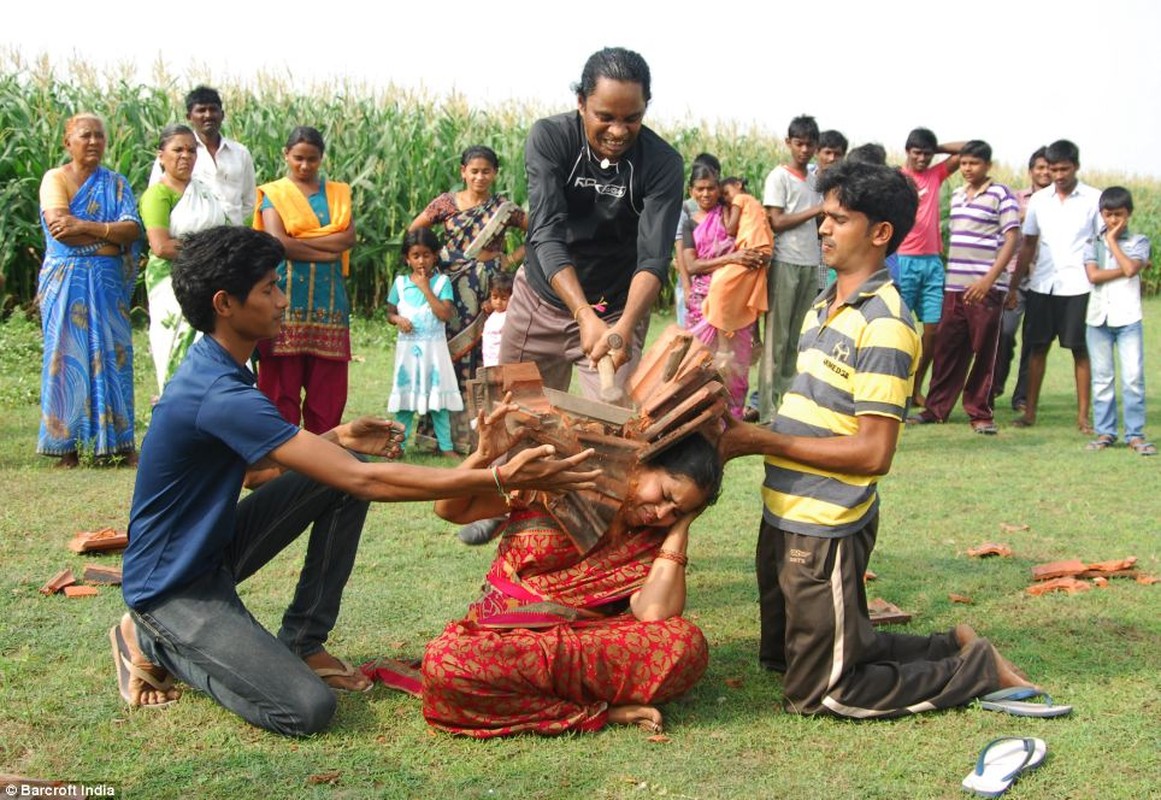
x,y
223,165
1061,218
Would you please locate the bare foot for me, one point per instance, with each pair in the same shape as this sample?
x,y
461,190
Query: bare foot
x,y
1083,425
965,634
141,691
67,461
1009,674
918,400
647,718
1026,421
336,673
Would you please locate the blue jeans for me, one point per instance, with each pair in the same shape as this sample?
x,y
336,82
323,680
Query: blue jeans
x,y
203,634
1127,341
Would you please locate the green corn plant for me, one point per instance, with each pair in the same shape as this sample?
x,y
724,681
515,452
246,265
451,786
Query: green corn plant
x,y
397,148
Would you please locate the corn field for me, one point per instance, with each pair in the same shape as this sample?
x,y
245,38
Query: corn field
x,y
397,149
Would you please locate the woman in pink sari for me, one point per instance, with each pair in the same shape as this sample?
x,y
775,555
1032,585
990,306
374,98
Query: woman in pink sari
x,y
708,247
568,641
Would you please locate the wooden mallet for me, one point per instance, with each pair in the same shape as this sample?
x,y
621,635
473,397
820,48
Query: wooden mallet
x,y
610,391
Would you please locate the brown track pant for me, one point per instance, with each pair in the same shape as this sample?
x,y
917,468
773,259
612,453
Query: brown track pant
x,y
814,614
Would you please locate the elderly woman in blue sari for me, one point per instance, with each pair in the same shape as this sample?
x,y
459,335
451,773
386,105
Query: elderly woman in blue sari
x,y
91,230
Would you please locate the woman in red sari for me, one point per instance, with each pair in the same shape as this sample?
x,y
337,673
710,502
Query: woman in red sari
x,y
569,641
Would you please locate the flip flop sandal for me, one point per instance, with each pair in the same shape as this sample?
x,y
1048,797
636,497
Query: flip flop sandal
x,y
347,670
1102,442
126,670
1001,762
1014,701
1143,448
403,676
985,428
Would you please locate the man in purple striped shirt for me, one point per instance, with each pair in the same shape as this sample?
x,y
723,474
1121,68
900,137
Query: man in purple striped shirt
x,y
984,231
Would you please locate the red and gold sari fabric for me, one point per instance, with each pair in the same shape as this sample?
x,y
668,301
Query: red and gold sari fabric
x,y
551,644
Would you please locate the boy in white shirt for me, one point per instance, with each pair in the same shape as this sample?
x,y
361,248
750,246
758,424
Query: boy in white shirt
x,y
1113,261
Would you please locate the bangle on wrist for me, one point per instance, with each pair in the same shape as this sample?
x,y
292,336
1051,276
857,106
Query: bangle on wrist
x,y
106,236
576,314
672,555
500,487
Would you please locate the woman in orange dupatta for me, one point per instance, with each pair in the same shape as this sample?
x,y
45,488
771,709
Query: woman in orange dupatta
x,y
569,641
312,218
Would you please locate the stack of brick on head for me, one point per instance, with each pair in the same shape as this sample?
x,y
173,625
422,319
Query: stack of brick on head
x,y
676,390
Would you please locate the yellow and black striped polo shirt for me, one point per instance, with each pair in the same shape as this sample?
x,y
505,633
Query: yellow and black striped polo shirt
x,y
860,360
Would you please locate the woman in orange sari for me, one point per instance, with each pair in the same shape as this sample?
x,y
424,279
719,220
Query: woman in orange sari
x,y
569,641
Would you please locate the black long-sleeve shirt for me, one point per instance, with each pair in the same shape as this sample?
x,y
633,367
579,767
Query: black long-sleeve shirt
x,y
608,224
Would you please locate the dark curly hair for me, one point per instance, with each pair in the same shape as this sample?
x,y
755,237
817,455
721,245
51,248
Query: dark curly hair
x,y
883,194
614,63
225,258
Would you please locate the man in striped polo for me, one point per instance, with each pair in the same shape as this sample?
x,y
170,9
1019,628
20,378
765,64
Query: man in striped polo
x,y
834,435
984,234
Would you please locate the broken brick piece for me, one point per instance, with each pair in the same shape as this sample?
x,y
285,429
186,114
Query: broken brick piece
x,y
58,581
1101,582
869,576
1114,565
990,549
1065,583
101,541
1096,573
885,613
81,591
1018,527
96,573
1058,569
959,598
1147,580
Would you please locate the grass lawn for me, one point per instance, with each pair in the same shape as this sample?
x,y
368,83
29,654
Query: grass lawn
x,y
949,490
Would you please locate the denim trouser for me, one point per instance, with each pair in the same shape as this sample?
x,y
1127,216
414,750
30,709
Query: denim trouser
x,y
205,636
1126,339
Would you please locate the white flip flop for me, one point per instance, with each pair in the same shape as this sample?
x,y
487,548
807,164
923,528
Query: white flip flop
x,y
1002,761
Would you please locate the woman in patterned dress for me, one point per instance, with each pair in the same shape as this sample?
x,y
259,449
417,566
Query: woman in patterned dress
x,y
304,370
564,640
474,222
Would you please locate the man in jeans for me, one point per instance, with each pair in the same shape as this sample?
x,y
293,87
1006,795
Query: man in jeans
x,y
191,541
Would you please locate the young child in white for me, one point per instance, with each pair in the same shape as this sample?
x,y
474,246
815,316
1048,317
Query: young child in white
x,y
500,291
419,305
1113,261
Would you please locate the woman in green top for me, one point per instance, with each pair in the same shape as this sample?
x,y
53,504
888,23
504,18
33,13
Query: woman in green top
x,y
178,204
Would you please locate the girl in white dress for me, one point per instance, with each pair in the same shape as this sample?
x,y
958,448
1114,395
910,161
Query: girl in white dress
x,y
419,305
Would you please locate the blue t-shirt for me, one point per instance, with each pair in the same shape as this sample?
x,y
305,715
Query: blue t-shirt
x,y
210,424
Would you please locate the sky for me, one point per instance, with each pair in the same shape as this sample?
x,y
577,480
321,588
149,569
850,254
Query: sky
x,y
1016,73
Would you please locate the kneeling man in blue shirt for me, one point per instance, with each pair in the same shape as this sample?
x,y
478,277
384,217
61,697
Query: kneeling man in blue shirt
x,y
191,540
